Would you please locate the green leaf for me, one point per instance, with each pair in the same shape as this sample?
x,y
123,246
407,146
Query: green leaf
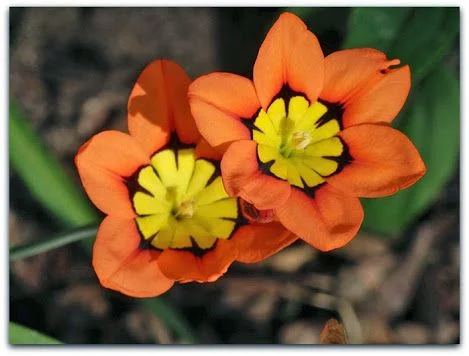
x,y
419,37
21,335
426,38
432,124
374,27
43,175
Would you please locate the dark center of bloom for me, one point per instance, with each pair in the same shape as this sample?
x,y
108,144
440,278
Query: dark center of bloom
x,y
181,202
300,145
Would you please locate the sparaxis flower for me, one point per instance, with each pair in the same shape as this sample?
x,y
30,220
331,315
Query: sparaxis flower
x,y
169,218
309,135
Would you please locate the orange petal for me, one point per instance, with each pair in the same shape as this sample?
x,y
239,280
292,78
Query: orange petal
x,y
120,263
256,242
242,177
218,101
204,150
265,192
328,221
290,54
227,92
361,79
384,161
158,104
184,266
103,164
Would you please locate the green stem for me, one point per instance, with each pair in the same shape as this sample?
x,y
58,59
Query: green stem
x,y
37,247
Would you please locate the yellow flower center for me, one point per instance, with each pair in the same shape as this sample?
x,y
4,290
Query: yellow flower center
x,y
301,143
181,202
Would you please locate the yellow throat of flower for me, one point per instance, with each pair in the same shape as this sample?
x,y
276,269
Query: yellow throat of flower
x,y
181,202
301,146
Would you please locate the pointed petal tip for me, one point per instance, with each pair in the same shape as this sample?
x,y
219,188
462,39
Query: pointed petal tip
x,y
367,84
327,221
158,105
121,265
393,164
290,54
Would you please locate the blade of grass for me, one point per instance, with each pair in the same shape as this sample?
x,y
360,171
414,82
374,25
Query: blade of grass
x,y
44,245
21,335
43,176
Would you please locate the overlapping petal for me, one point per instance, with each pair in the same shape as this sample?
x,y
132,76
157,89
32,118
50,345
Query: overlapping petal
x,y
363,81
120,263
104,163
384,162
204,150
256,242
327,221
242,177
218,102
290,54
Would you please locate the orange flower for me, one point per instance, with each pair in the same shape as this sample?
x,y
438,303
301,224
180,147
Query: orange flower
x,y
309,135
169,217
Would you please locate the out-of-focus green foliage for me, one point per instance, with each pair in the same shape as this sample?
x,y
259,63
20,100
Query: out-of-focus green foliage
x,y
21,335
422,38
375,27
43,175
428,36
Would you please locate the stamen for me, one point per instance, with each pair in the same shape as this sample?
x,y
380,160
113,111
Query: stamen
x,y
186,210
301,139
